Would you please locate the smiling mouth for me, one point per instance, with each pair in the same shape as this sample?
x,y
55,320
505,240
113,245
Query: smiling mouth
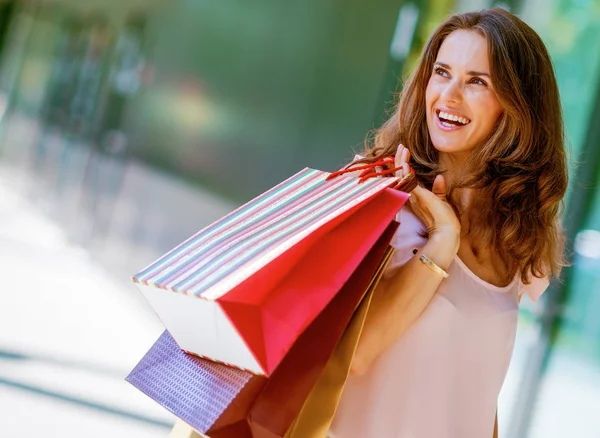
x,y
449,121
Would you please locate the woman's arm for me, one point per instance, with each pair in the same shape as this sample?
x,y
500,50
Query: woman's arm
x,y
399,300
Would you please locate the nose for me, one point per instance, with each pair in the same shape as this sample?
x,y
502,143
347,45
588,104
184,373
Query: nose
x,y
453,91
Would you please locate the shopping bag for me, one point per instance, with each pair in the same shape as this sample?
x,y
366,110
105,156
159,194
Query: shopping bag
x,y
282,398
209,396
242,290
318,410
217,400
281,402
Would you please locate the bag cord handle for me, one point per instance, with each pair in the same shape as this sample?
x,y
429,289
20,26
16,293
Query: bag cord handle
x,y
369,170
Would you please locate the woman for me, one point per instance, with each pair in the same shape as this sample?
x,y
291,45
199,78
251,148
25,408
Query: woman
x,y
480,123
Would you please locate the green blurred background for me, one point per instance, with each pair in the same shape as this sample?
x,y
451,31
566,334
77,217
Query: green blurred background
x,y
131,124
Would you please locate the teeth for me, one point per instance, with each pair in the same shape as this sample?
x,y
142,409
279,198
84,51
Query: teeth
x,y
447,116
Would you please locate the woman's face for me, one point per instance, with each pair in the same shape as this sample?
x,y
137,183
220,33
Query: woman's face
x,y
462,106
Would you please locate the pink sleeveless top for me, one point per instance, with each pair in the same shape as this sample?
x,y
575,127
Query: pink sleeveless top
x,y
442,377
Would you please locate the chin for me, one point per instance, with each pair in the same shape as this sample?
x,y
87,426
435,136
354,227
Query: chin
x,y
449,147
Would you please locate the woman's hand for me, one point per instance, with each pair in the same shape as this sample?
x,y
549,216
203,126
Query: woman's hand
x,y
431,207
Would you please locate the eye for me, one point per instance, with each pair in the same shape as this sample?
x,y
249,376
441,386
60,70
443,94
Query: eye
x,y
441,71
478,81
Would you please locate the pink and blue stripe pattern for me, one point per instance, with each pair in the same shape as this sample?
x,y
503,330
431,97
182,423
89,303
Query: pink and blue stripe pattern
x,y
228,251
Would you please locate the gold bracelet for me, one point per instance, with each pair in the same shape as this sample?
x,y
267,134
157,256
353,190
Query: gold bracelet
x,y
433,266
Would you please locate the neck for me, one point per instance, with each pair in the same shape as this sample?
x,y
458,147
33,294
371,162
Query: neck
x,y
453,165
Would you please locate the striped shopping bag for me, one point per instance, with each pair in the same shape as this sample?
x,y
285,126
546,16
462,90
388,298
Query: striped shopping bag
x,y
242,290
221,401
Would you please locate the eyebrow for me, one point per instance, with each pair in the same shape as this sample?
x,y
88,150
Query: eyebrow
x,y
470,73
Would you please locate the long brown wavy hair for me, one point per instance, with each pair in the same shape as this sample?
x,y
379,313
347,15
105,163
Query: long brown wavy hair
x,y
520,171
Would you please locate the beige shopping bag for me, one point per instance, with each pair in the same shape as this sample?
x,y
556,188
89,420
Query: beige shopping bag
x,y
319,408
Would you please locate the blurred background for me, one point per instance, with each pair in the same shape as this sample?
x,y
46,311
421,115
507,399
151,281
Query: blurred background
x,y
127,125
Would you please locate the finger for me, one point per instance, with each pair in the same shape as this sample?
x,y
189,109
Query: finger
x,y
398,156
415,195
414,204
439,187
405,169
412,201
405,155
402,157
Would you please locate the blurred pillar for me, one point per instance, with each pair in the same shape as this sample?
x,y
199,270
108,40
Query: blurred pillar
x,y
550,320
400,46
413,28
7,10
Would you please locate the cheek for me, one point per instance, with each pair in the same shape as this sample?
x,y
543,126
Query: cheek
x,y
489,110
492,117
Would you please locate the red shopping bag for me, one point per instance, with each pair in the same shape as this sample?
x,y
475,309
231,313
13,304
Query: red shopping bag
x,y
243,290
285,393
226,402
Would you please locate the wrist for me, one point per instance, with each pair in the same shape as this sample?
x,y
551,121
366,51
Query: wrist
x,y
447,236
442,247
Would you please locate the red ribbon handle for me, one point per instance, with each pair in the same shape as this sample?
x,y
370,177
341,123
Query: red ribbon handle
x,y
369,170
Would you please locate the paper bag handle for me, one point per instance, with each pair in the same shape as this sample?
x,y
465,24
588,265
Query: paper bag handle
x,y
369,170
